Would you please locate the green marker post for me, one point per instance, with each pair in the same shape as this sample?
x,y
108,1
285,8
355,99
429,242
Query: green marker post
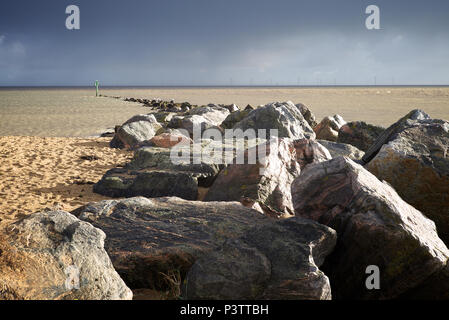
x,y
97,83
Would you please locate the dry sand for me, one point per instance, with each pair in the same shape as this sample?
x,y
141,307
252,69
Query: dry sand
x,y
38,173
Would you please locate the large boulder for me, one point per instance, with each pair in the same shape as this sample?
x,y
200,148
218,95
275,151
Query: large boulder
x,y
387,135
307,114
359,134
150,238
416,163
170,139
267,179
153,243
53,255
271,261
375,227
328,128
234,118
200,118
341,149
153,173
136,130
284,117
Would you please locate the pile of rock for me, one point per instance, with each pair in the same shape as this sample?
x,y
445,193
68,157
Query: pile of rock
x,y
306,220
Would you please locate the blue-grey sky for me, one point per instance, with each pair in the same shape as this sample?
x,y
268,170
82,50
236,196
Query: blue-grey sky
x,y
218,42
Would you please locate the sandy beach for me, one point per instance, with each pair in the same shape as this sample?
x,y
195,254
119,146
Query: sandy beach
x,y
38,173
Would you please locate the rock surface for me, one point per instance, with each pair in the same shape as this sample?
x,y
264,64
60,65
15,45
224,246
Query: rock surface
x,y
389,133
359,134
272,261
150,238
284,117
341,149
307,114
53,255
374,226
267,179
153,173
416,163
136,130
202,118
328,128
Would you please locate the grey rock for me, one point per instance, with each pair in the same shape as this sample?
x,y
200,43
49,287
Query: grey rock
x,y
307,114
150,238
341,149
284,117
359,134
136,130
374,226
271,261
267,180
416,163
53,255
390,132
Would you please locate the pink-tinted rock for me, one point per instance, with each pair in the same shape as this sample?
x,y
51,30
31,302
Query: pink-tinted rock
x,y
328,128
374,226
168,140
416,163
268,181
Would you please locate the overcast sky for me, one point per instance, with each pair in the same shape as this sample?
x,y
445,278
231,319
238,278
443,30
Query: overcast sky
x,y
222,42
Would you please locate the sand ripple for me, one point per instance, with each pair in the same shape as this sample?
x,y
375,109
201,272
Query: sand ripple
x,y
37,173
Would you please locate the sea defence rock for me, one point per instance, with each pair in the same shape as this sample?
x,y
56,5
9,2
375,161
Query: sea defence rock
x,y
359,134
52,255
416,163
387,135
170,139
283,116
153,173
265,178
203,118
149,240
234,118
341,149
136,130
375,227
307,114
328,128
271,261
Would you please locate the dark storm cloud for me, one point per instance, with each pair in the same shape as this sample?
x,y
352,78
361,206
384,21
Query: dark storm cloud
x,y
211,42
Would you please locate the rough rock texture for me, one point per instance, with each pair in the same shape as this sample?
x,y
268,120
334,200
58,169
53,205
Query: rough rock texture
x,y
307,114
136,130
416,163
374,226
284,117
328,128
234,118
390,132
53,255
359,134
152,173
342,149
202,117
169,140
267,181
272,261
148,239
